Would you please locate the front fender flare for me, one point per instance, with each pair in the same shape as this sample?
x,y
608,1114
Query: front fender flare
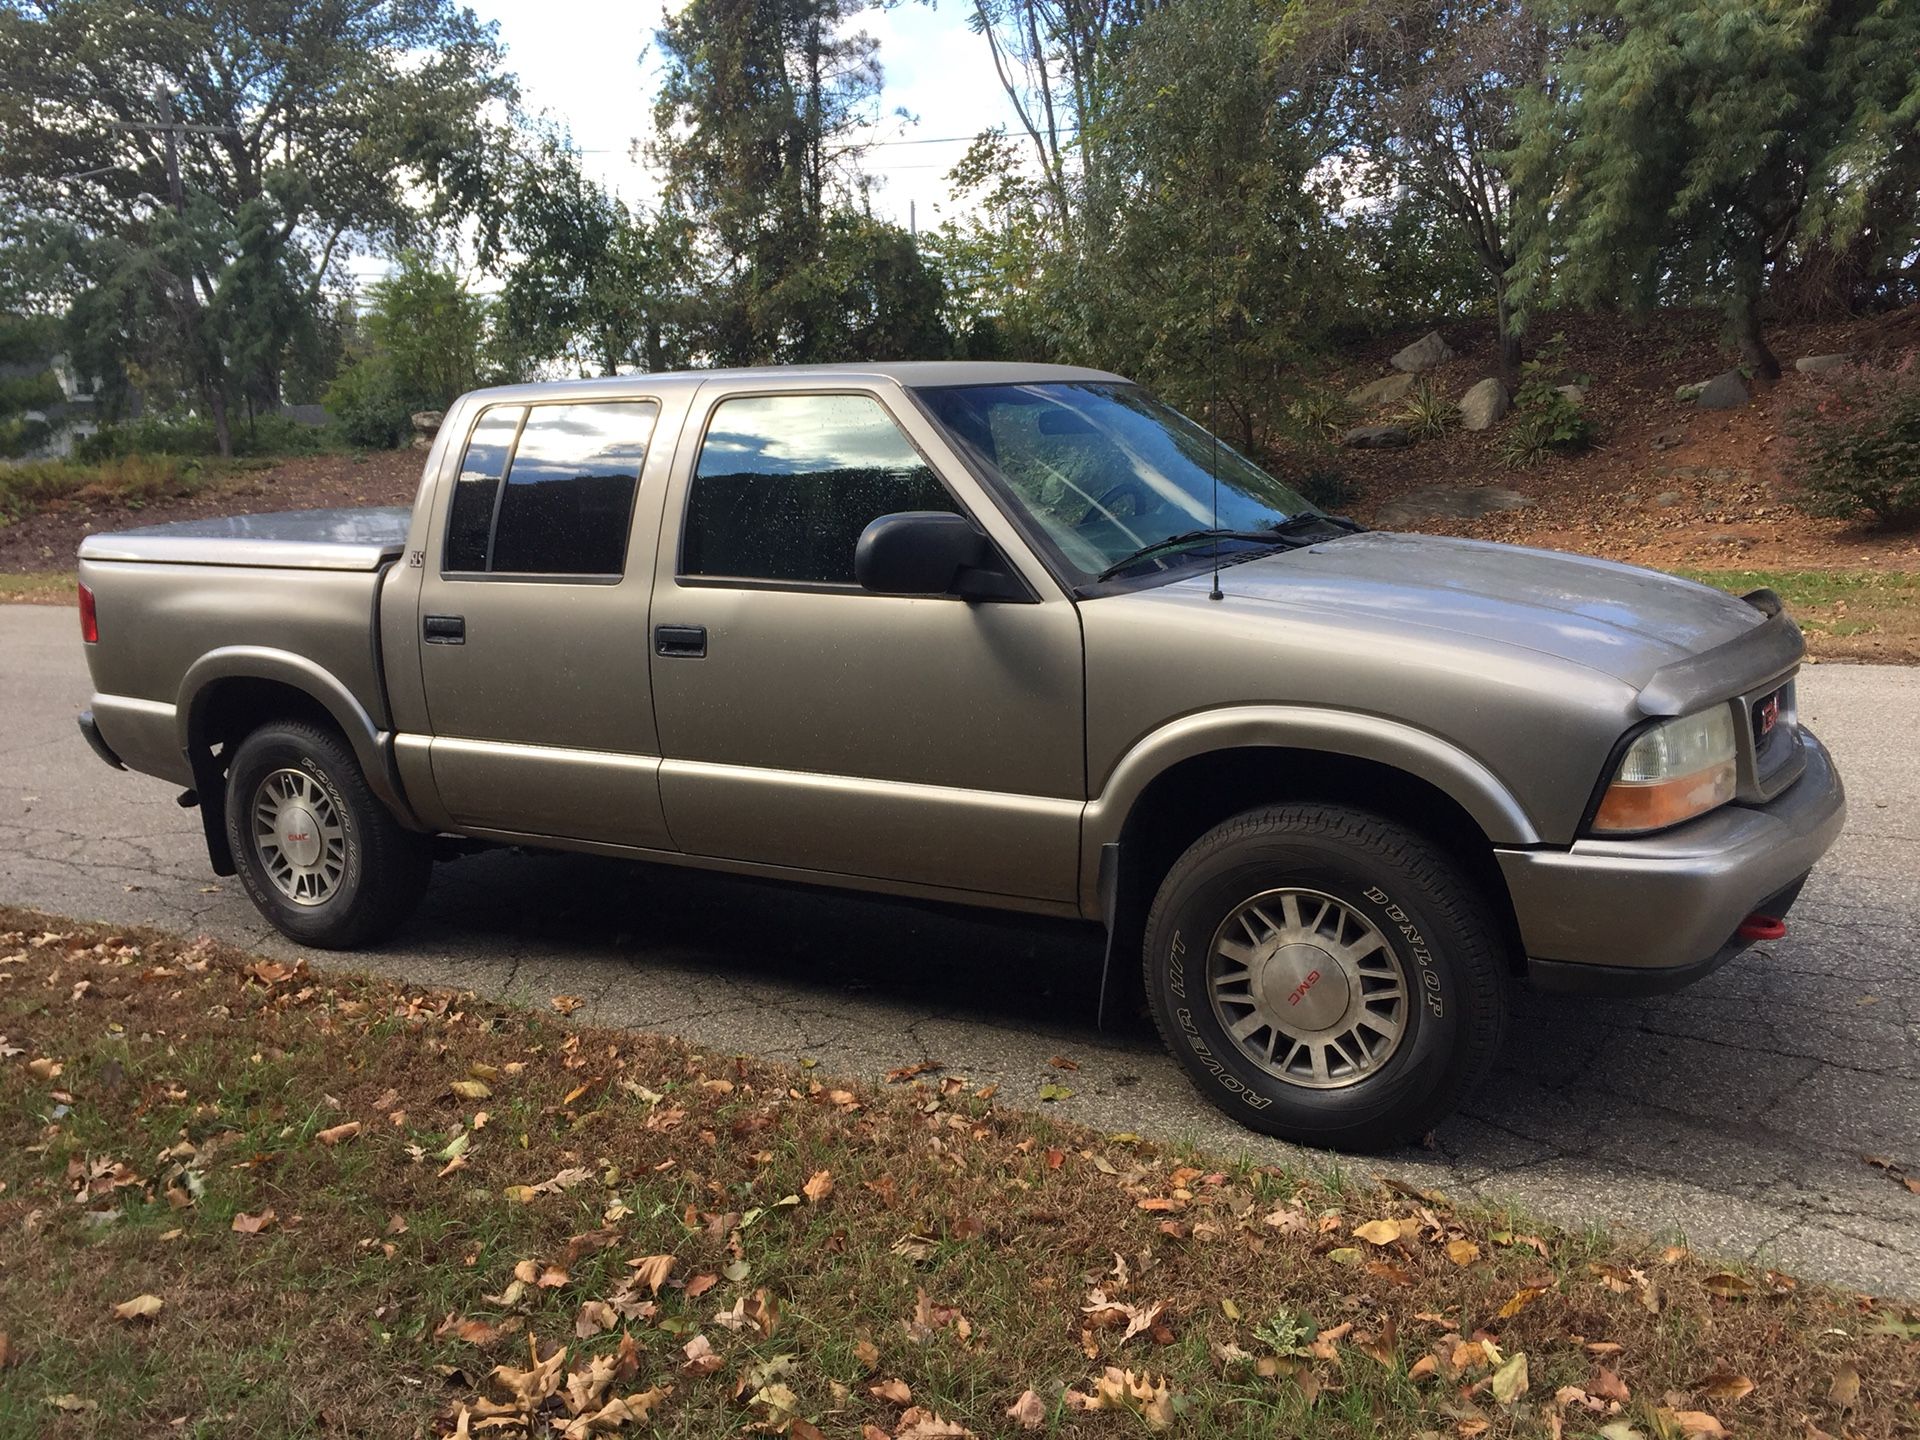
x,y
372,746
1442,764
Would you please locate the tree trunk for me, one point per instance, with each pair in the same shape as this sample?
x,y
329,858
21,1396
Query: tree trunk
x,y
1744,320
1509,334
222,431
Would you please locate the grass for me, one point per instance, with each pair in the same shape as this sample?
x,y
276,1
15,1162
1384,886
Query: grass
x,y
127,480
37,587
525,1211
1854,612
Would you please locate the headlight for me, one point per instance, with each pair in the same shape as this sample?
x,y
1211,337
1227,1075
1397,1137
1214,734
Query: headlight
x,y
1671,772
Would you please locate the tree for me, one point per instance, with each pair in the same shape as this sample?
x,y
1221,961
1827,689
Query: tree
x,y
1437,87
425,336
237,145
756,122
588,281
1226,265
1689,145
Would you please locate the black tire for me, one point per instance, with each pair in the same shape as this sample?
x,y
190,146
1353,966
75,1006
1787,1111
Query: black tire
x,y
383,868
1437,926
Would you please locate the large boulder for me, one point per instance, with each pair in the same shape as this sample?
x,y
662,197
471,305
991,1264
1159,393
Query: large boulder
x,y
426,424
1425,353
1387,390
1378,437
1441,502
1484,404
1726,391
1820,364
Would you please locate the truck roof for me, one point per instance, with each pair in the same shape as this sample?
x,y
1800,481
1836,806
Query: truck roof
x,y
917,373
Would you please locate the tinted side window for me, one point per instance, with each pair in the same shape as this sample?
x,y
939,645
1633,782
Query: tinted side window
x,y
470,519
786,483
569,495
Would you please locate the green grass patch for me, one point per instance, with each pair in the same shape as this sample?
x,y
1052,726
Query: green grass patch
x,y
128,481
369,1209
1833,603
37,587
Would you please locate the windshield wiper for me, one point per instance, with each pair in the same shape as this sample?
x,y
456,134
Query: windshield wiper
x,y
1274,536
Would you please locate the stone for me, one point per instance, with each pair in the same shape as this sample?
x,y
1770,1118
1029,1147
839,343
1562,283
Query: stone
x,y
1378,437
1820,364
1387,390
1726,391
427,422
1576,393
1448,503
1485,403
1667,499
1425,353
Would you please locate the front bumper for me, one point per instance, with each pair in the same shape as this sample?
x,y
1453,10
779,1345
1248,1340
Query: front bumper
x,y
1652,913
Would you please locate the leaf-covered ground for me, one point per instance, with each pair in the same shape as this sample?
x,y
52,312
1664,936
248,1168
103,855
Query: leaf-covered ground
x,y
237,1198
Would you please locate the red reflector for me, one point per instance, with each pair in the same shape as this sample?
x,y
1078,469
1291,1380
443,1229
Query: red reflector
x,y
89,622
1762,927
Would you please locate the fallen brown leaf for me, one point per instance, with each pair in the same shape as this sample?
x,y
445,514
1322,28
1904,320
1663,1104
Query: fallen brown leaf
x,y
1029,1412
141,1307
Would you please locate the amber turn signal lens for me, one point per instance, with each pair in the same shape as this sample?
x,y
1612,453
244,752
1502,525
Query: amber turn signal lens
x,y
1629,807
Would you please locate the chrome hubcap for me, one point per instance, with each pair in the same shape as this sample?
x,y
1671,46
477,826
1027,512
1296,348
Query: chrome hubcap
x,y
298,833
1308,988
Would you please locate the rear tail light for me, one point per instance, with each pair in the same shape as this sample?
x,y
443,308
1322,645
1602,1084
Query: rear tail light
x,y
89,621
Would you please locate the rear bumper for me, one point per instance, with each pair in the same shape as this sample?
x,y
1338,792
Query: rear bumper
x,y
1654,913
90,728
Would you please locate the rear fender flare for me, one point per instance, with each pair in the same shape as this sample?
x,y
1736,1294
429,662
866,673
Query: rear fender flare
x,y
372,746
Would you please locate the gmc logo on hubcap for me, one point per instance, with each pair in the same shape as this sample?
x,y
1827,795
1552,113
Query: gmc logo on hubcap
x,y
1300,990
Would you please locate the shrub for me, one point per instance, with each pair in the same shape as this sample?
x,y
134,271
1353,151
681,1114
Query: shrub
x,y
1318,417
367,401
1428,414
1544,420
190,435
1327,488
1856,444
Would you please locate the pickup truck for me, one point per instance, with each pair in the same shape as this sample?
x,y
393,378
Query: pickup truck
x,y
1015,636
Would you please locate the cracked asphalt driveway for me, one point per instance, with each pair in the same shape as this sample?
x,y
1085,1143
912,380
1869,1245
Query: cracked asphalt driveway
x,y
1733,1116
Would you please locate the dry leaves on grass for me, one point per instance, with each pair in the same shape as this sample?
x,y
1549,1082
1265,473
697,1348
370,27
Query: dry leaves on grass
x,y
1029,1412
141,1307
254,1224
1139,1394
545,1398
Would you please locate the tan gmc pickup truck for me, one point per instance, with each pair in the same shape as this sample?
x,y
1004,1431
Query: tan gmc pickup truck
x,y
1005,635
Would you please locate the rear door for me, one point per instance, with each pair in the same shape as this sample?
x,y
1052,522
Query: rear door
x,y
533,622
806,722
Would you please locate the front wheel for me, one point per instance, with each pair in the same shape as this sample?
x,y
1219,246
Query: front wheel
x,y
320,857
1325,975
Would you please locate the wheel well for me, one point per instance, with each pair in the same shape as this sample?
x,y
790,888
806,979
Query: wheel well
x,y
223,715
1190,798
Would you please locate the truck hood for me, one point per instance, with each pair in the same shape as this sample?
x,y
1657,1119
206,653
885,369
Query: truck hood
x,y
1615,619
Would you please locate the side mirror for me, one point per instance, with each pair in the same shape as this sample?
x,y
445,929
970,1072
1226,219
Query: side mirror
x,y
931,552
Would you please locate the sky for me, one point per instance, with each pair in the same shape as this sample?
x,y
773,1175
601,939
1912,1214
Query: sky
x,y
591,65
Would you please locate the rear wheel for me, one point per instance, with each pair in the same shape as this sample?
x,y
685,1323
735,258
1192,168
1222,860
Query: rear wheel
x,y
320,857
1325,975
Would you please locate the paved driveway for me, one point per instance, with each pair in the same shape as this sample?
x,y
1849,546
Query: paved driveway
x,y
1734,1115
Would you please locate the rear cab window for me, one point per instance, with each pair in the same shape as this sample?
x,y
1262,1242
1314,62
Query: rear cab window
x,y
785,484
548,490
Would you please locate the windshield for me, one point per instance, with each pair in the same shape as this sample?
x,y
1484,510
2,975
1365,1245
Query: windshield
x,y
1106,471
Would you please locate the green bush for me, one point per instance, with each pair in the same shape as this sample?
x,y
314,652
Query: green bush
x,y
1428,414
1318,417
19,435
367,402
1327,488
1856,444
1544,420
193,436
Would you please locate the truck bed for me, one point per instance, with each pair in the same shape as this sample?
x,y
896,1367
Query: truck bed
x,y
290,540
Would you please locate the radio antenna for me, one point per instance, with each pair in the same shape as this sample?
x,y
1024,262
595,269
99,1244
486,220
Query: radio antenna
x,y
1213,387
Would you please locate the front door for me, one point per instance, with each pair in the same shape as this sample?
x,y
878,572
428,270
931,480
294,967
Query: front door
x,y
805,722
534,634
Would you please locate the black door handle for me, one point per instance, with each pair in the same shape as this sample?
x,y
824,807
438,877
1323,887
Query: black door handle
x,y
687,641
445,629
